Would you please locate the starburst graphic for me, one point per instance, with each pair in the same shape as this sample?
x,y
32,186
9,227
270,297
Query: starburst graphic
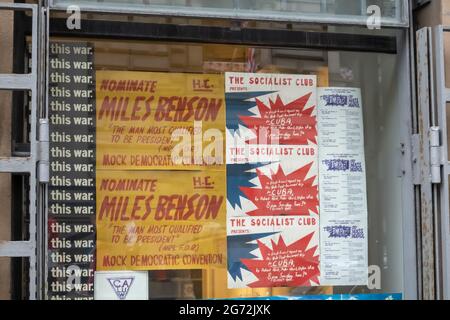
x,y
281,194
290,124
239,247
242,102
240,175
285,266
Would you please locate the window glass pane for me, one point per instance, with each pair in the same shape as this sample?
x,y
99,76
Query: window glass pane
x,y
12,23
15,278
390,10
167,63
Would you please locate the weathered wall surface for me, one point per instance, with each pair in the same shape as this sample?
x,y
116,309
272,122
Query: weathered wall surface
x,y
6,45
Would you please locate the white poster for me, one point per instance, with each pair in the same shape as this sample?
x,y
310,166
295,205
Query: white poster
x,y
121,285
272,180
342,187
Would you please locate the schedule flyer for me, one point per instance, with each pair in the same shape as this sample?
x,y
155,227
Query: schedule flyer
x,y
342,181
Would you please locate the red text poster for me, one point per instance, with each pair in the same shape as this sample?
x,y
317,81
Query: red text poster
x,y
272,180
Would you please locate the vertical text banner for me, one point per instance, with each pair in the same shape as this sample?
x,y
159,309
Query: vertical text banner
x,y
343,197
71,214
160,171
272,180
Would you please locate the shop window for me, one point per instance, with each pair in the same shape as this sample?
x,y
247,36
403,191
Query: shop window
x,y
120,202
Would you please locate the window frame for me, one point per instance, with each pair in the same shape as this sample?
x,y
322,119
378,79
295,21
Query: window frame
x,y
197,12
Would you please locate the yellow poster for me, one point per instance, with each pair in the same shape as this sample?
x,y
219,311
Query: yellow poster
x,y
149,220
160,176
165,121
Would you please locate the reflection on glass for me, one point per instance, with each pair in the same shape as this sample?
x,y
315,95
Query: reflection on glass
x,y
389,8
378,82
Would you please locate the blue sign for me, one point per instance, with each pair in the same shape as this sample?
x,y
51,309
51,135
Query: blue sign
x,y
370,296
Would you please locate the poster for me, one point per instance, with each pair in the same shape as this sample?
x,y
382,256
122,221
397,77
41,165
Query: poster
x,y
160,177
71,200
145,223
163,121
272,180
343,196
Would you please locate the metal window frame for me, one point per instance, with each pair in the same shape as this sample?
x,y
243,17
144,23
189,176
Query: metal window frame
x,y
402,19
25,164
129,30
442,164
432,163
30,165
421,163
407,102
33,164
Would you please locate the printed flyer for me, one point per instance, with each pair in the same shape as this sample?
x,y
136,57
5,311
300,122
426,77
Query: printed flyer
x,y
160,176
272,180
145,223
343,196
146,120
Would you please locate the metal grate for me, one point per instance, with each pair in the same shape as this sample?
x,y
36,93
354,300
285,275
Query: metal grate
x,y
29,164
